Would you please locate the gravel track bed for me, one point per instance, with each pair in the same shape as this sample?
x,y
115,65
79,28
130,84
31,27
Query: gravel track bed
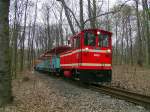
x,y
42,93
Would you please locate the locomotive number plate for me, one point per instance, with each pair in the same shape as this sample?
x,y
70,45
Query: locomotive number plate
x,y
96,54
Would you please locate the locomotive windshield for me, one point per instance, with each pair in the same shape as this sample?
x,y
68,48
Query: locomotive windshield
x,y
89,39
103,40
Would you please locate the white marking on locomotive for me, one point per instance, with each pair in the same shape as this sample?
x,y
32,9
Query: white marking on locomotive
x,y
84,50
86,64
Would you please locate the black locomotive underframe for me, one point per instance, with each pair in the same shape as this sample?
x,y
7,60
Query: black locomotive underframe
x,y
94,75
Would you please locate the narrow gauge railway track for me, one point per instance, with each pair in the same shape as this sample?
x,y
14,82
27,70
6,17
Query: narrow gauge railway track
x,y
129,96
119,93
123,94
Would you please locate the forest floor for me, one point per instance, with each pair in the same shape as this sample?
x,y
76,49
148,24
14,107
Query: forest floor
x,y
133,78
35,92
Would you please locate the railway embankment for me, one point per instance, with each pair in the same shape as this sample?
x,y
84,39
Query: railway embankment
x,y
36,92
132,78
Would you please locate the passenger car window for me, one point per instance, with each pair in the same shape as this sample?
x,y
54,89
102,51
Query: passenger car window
x,y
103,40
89,39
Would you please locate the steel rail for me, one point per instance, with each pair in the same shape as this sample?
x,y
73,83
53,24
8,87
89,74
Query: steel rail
x,y
123,94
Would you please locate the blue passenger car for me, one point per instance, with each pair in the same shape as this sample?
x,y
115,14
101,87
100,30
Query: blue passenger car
x,y
43,66
55,64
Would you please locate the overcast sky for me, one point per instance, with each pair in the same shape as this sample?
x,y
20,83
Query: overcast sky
x,y
105,6
111,2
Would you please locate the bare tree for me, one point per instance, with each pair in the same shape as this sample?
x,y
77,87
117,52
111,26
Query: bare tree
x,y
14,41
33,34
61,27
81,14
5,75
23,38
67,15
146,30
92,13
139,46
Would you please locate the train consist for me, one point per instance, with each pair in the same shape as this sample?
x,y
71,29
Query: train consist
x,y
87,58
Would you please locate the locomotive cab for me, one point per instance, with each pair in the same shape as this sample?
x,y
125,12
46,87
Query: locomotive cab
x,y
96,55
97,40
90,57
97,49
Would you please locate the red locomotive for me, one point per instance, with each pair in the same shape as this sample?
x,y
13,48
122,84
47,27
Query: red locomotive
x,y
89,58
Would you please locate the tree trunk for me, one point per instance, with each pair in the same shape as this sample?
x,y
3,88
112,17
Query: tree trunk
x,y
108,24
14,43
89,12
68,16
139,45
48,32
131,43
61,27
116,25
81,14
29,47
122,42
5,75
33,37
92,13
23,39
127,42
146,30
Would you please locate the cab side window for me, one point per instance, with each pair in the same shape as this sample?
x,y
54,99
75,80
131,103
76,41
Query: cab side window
x,y
78,42
74,43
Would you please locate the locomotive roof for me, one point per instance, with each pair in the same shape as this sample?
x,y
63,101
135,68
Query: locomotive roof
x,y
101,30
85,30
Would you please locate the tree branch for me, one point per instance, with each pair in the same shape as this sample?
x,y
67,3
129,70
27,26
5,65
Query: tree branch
x,y
110,12
74,17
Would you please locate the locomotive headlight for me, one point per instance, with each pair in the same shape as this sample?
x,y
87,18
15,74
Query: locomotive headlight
x,y
98,33
86,49
108,51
